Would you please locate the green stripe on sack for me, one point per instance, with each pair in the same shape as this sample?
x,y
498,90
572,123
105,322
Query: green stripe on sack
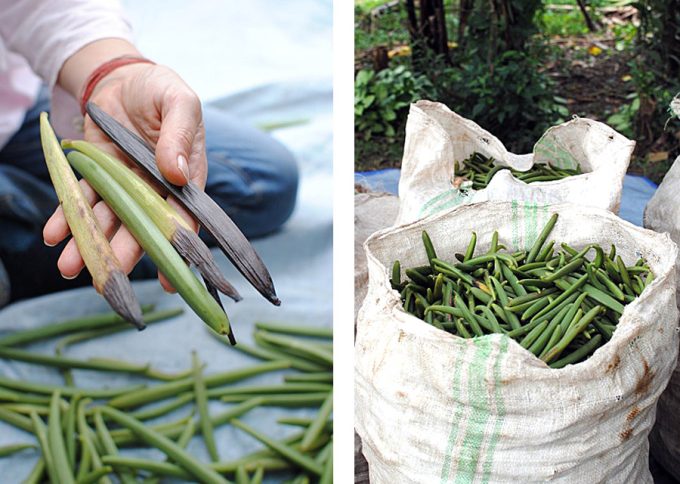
x,y
453,433
515,224
500,410
448,199
472,443
470,453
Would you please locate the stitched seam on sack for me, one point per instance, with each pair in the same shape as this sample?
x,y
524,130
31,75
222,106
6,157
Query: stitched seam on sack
x,y
453,433
472,443
500,411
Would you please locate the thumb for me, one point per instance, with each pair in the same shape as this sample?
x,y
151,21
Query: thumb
x,y
180,120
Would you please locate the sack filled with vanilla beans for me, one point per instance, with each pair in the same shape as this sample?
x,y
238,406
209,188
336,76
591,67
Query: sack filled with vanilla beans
x,y
449,160
560,340
157,227
662,214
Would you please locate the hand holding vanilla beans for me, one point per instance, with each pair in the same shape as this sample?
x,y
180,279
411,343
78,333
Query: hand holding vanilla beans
x,y
558,304
156,226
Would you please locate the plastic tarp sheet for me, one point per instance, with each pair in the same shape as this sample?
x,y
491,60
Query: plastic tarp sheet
x,y
299,256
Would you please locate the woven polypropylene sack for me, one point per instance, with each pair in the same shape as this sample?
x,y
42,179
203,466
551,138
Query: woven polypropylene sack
x,y
437,137
663,215
433,407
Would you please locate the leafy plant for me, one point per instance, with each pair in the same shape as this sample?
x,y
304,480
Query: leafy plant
x,y
381,100
623,120
511,98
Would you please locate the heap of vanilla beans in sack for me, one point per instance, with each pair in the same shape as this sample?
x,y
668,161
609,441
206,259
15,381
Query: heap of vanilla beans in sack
x,y
479,169
556,301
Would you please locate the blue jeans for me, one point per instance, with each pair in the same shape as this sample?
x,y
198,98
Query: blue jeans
x,y
250,175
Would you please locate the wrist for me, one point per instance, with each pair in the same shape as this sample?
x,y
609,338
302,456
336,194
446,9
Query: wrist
x,y
77,69
119,67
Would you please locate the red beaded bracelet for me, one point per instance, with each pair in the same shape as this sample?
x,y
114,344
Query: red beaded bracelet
x,y
104,70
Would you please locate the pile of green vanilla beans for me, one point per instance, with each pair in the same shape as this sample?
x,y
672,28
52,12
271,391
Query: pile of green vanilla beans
x,y
78,432
480,170
561,304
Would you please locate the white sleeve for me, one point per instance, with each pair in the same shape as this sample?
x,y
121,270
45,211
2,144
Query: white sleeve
x,y
47,32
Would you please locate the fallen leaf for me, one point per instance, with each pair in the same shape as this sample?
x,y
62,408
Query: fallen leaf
x,y
594,50
657,156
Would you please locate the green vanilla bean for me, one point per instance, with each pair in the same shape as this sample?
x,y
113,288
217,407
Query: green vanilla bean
x,y
327,474
270,354
284,450
310,377
429,248
535,249
95,476
294,344
88,441
17,420
36,475
317,426
314,331
125,437
571,333
15,397
66,391
40,432
565,270
109,445
155,467
200,393
159,410
241,475
150,238
98,364
164,390
23,337
85,458
170,223
167,446
302,387
258,476
282,400
396,275
6,450
88,334
56,442
578,354
108,276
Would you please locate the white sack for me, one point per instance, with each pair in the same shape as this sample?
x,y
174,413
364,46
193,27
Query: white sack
x,y
433,407
663,215
436,138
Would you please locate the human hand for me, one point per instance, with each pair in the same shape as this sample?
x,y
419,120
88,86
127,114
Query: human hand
x,y
154,102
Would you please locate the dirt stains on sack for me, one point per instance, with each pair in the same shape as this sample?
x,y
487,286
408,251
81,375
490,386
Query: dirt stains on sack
x,y
614,364
633,413
625,435
644,383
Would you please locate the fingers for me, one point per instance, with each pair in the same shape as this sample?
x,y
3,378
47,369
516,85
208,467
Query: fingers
x,y
126,249
181,118
165,283
70,262
56,228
